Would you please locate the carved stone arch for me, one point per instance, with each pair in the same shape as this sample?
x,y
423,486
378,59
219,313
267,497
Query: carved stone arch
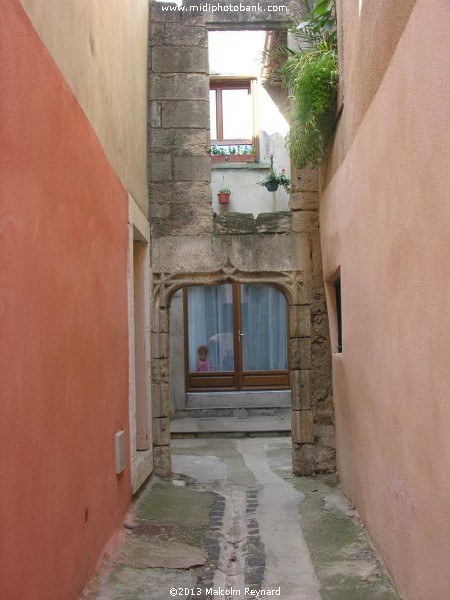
x,y
291,284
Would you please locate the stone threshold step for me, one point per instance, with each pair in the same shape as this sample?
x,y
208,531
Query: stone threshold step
x,y
239,399
234,426
227,411
229,434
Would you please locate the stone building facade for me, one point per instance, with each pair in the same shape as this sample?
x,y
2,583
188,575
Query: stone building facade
x,y
191,245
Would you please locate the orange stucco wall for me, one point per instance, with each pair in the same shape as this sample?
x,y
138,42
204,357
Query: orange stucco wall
x,y
64,340
385,222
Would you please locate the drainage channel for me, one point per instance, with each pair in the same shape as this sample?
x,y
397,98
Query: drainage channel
x,y
236,558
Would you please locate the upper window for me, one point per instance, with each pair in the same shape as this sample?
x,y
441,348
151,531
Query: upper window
x,y
231,112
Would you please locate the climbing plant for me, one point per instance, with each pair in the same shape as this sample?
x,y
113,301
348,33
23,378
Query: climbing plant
x,y
311,75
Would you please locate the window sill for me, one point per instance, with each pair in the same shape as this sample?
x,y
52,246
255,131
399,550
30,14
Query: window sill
x,y
246,166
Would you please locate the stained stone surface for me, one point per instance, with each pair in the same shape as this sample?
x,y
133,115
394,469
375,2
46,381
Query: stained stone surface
x,y
236,518
142,554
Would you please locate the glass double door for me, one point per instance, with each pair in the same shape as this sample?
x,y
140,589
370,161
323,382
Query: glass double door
x,y
235,337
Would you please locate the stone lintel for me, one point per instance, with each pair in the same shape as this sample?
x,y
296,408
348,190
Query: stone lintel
x,y
181,34
252,17
234,223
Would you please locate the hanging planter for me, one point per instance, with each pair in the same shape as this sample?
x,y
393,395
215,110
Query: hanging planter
x,y
274,179
224,195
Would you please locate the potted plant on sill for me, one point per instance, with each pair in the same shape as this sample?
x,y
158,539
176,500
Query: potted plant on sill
x,y
274,179
224,195
217,154
241,154
232,154
250,155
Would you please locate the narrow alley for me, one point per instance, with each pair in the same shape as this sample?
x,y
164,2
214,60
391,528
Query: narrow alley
x,y
224,298
235,522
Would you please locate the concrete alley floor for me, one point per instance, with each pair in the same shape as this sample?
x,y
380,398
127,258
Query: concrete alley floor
x,y
235,522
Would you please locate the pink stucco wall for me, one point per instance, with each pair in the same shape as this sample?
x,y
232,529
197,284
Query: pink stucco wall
x,y
385,219
64,340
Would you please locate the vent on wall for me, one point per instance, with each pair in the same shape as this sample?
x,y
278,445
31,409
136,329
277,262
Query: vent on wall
x,y
121,455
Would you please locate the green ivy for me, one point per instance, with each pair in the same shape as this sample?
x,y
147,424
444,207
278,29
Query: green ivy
x,y
311,75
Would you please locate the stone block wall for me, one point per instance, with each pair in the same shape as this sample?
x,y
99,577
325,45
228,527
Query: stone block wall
x,y
179,166
191,246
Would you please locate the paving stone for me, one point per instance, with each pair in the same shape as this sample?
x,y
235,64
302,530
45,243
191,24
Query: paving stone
x,y
148,553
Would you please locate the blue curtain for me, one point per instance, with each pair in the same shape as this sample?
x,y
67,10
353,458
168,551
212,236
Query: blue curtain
x,y
264,343
210,323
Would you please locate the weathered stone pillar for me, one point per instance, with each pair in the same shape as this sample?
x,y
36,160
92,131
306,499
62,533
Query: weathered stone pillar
x,y
179,172
179,165
160,388
313,448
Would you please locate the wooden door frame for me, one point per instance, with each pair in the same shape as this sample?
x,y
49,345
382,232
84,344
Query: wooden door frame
x,y
220,377
240,379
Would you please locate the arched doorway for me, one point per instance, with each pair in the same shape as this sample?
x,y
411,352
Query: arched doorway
x,y
294,288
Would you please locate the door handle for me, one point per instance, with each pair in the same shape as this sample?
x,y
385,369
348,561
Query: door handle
x,y
240,335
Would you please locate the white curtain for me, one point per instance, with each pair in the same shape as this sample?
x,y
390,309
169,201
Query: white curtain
x,y
210,323
264,327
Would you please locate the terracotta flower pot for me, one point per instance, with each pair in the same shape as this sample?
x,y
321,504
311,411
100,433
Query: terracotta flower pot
x,y
217,158
223,198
